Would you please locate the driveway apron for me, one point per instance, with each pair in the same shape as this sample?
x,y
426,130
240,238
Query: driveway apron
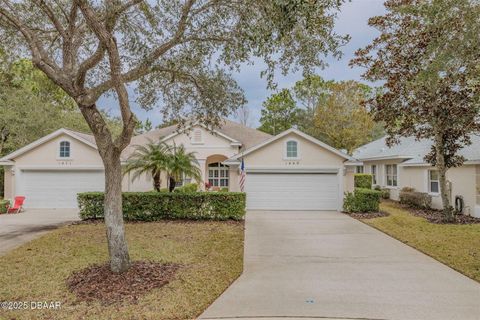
x,y
328,265
16,229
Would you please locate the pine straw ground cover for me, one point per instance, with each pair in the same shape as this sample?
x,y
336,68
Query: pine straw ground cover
x,y
201,259
456,245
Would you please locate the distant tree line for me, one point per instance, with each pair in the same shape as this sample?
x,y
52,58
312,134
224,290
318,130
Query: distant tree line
x,y
328,110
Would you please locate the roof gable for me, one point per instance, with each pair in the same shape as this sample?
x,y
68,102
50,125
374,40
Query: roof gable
x,y
82,137
299,133
234,132
412,149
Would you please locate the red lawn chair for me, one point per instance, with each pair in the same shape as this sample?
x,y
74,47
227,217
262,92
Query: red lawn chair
x,y
17,205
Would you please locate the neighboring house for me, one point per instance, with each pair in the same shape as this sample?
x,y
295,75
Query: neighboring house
x,y
289,171
403,165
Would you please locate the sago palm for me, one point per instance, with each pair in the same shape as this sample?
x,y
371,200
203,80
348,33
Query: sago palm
x,y
152,158
182,163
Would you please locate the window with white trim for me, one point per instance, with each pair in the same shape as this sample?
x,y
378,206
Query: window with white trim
x,y
64,151
373,172
359,169
433,181
218,175
292,149
391,175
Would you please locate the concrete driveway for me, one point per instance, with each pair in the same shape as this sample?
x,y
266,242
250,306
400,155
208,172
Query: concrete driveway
x,y
16,229
328,265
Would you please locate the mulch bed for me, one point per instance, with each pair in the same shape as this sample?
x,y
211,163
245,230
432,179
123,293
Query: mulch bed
x,y
367,215
177,221
436,216
98,283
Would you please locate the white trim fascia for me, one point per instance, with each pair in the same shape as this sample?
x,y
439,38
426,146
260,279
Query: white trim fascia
x,y
353,163
67,167
292,170
177,132
395,157
231,162
44,139
424,164
301,134
7,163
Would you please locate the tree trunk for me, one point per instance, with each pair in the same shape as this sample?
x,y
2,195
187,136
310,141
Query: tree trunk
x,y
156,181
117,243
113,211
171,184
442,170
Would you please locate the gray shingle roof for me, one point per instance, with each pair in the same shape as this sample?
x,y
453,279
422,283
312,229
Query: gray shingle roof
x,y
247,136
85,136
411,149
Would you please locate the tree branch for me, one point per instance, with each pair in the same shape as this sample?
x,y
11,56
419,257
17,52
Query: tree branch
x,y
103,33
39,57
51,15
145,66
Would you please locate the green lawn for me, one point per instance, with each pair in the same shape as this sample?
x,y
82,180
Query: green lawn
x,y
457,246
211,254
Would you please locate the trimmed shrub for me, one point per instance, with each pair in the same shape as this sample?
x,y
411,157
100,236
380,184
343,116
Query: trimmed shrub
x,y
385,193
407,189
190,187
362,180
362,200
3,206
153,206
420,200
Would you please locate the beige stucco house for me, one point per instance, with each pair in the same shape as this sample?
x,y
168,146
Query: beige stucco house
x,y
289,171
403,165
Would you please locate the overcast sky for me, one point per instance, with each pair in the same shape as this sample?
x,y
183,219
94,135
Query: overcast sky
x,y
352,20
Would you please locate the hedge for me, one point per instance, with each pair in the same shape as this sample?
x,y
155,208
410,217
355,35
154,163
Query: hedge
x,y
362,200
3,205
415,199
153,206
362,180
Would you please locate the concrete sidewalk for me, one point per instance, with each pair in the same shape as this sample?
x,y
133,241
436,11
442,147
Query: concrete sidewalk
x,y
16,229
328,265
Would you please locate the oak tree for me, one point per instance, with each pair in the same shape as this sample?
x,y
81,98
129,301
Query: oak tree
x,y
178,51
427,55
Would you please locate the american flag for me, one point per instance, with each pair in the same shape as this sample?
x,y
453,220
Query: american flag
x,y
242,176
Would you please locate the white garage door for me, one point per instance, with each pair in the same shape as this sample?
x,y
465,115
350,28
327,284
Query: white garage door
x,y
292,191
58,189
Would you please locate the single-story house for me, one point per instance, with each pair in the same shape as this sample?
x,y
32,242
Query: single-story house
x,y
403,165
289,171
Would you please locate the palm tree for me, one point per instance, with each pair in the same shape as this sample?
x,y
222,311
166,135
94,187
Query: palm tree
x,y
153,158
182,163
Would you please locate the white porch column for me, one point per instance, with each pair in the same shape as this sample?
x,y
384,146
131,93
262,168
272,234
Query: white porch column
x,y
203,169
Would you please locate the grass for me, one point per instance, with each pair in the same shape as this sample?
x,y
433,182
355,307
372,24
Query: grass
x,y
211,254
457,246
